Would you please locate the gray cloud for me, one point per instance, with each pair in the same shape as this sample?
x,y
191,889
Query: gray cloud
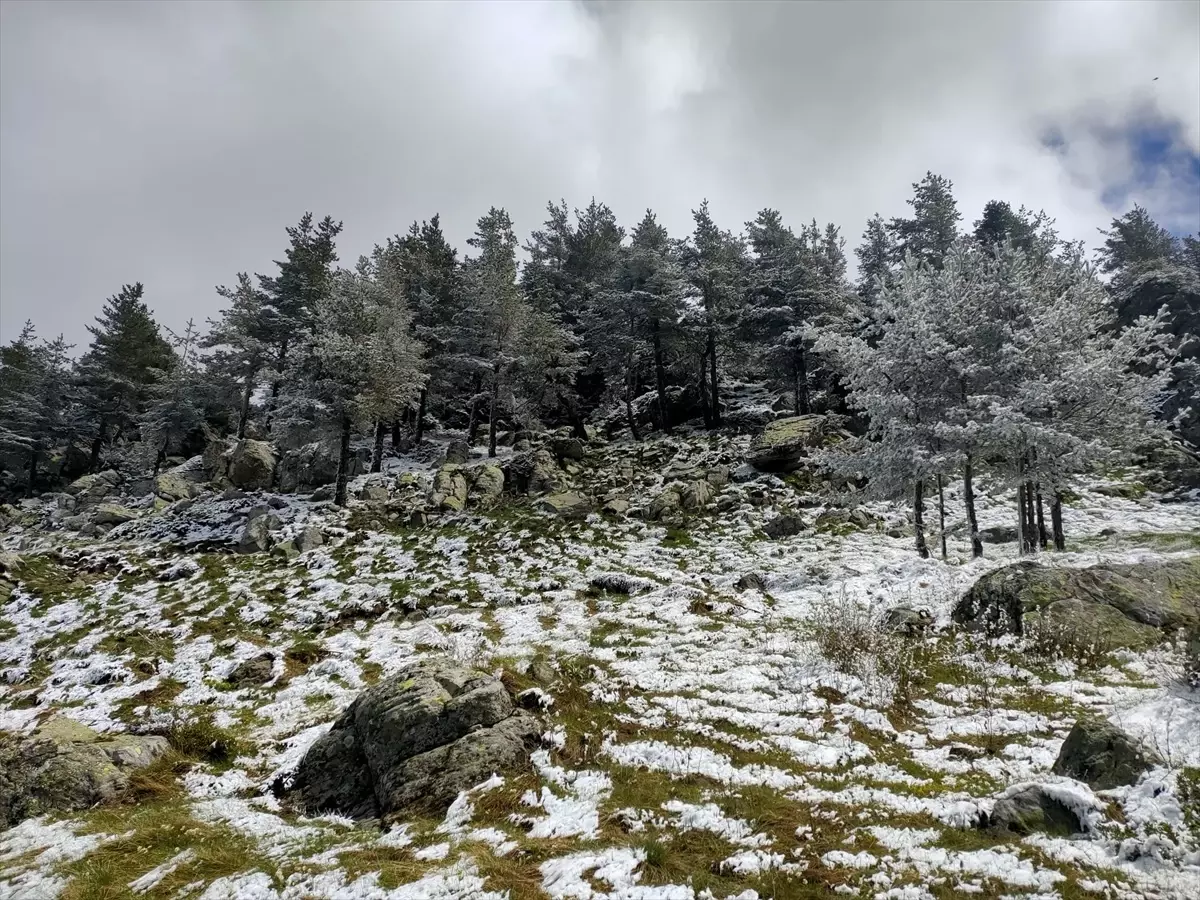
x,y
171,143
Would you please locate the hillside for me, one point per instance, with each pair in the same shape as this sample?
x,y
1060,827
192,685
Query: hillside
x,y
727,708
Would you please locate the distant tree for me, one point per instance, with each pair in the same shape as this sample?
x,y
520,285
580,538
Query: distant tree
x,y
178,403
875,259
127,357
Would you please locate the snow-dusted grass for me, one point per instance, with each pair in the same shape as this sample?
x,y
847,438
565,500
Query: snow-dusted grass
x,y
699,740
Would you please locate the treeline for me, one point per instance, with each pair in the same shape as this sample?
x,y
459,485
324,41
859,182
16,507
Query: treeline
x,y
955,350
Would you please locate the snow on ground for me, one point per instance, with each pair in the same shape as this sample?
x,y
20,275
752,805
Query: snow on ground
x,y
702,745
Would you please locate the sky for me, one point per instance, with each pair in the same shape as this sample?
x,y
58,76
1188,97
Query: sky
x,y
172,143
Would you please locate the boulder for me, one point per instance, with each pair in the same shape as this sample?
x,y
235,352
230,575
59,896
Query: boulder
x,y
1028,808
784,444
1155,594
449,489
374,492
751,582
1102,755
252,465
215,457
666,504
620,583
91,489
696,494
998,534
172,486
908,620
316,465
113,514
567,448
253,671
565,506
617,506
66,766
309,539
256,536
413,742
782,526
457,453
487,485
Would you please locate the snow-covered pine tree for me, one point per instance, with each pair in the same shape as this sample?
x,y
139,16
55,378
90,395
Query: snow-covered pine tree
x,y
714,264
178,403
34,395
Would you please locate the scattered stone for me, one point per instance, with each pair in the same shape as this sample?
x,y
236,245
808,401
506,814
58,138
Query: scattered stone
x,y
67,766
256,537
374,492
1102,755
617,506
565,506
620,583
782,526
696,494
751,582
252,465
998,534
567,448
323,494
457,453
541,671
908,620
112,514
254,671
668,502
534,700
309,538
413,742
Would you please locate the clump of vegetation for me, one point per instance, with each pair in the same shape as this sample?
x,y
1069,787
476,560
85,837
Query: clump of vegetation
x,y
201,738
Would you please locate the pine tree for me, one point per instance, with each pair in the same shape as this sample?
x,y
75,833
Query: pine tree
x,y
241,341
714,264
933,227
127,358
178,403
34,391
290,298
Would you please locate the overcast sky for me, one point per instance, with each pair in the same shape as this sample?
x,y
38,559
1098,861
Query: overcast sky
x,y
171,143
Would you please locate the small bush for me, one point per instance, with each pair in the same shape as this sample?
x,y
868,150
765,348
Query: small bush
x,y
1055,640
202,739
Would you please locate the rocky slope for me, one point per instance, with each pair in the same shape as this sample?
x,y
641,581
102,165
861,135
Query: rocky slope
x,y
743,686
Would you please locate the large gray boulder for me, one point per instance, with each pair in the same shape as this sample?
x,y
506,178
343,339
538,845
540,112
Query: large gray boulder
x,y
449,489
565,506
784,445
91,489
315,465
172,486
1125,605
1102,755
1030,808
113,514
487,486
252,465
415,741
66,766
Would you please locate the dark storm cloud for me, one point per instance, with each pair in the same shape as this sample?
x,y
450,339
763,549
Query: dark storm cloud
x,y
172,142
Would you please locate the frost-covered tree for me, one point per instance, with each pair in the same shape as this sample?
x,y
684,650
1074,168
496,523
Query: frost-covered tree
x,y
127,357
714,264
240,340
34,397
876,255
361,365
178,403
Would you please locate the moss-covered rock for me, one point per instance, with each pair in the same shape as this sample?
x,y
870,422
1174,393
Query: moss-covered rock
x,y
784,444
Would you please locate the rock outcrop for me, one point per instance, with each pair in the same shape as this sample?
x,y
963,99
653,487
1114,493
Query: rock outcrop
x,y
784,445
67,766
413,742
252,465
1124,605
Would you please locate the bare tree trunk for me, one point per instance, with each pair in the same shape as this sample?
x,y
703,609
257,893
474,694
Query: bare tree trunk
x,y
802,378
343,470
244,412
396,438
633,429
969,501
704,389
377,452
1043,537
97,444
1030,520
919,518
33,461
942,515
280,365
1056,522
712,368
660,378
795,386
419,431
473,419
492,413
1022,527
